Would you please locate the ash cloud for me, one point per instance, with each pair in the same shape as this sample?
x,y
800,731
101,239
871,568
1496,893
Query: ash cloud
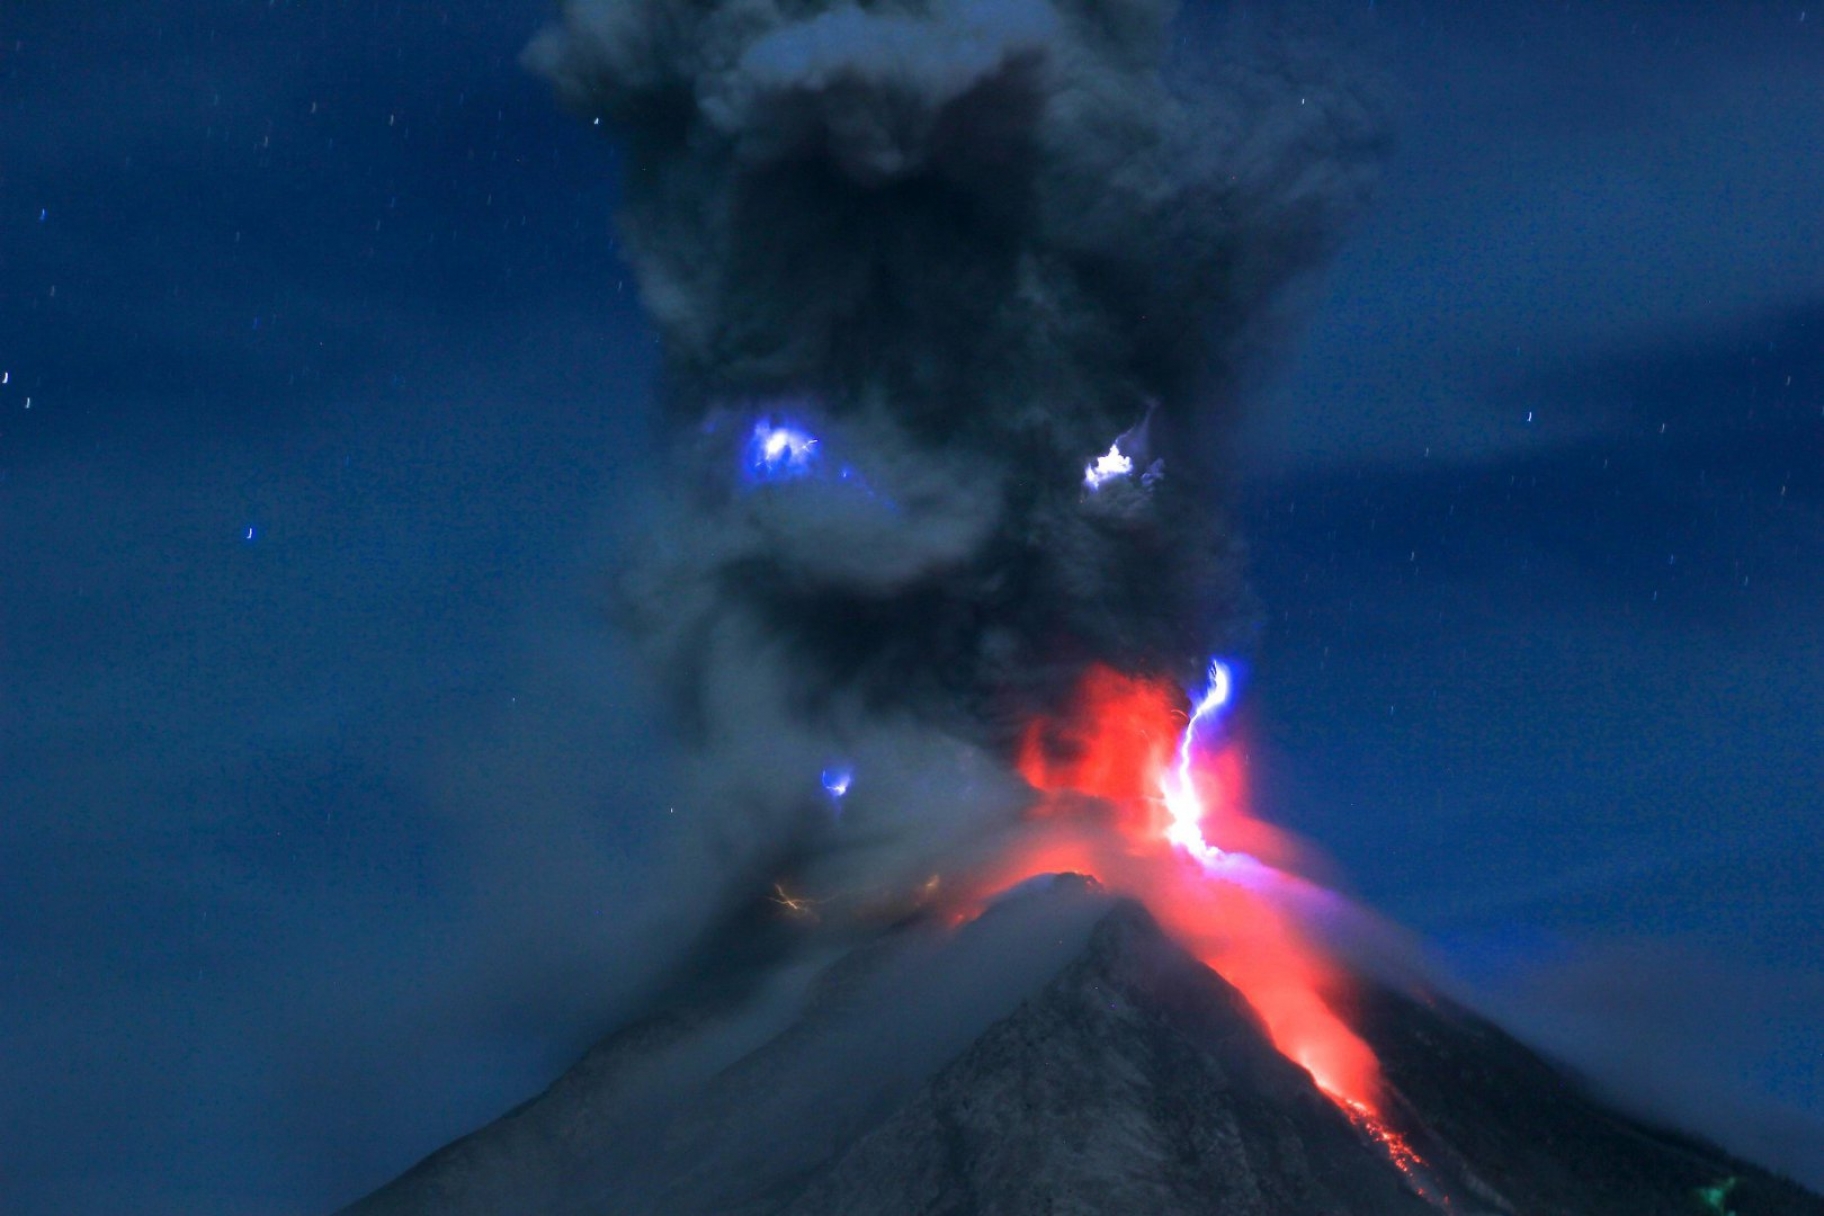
x,y
1680,1035
964,244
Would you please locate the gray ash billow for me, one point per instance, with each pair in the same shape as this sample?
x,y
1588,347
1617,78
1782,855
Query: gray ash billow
x,y
963,244
916,265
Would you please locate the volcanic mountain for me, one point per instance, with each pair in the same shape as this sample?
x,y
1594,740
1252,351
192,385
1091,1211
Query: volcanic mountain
x,y
1059,1054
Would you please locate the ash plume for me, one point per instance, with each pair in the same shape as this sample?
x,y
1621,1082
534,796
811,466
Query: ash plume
x,y
914,265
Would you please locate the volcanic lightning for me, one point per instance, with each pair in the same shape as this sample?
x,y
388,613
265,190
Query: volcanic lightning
x,y
1118,462
1178,786
1106,467
836,780
794,905
780,451
949,248
1183,844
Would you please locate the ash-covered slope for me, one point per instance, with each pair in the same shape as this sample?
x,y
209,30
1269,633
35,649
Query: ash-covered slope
x,y
1527,1132
1136,1081
1059,1055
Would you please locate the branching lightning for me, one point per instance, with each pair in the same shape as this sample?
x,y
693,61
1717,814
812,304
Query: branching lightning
x,y
780,451
1178,784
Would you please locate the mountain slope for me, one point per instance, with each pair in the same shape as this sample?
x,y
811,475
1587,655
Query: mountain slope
x,y
1531,1134
1059,1055
1136,1081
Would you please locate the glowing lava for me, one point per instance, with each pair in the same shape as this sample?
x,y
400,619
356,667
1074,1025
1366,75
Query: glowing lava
x,y
1137,796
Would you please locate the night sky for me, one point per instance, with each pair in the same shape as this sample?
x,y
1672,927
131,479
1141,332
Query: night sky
x,y
325,792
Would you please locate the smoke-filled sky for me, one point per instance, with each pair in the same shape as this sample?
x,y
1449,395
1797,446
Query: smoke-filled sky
x,y
331,806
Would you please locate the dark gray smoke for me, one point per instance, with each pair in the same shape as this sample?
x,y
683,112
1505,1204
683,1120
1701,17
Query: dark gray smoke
x,y
964,244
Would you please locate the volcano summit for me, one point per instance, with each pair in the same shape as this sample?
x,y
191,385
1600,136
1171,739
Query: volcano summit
x,y
958,301
1058,1055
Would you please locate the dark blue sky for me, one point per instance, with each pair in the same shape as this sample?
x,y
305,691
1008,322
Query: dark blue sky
x,y
323,794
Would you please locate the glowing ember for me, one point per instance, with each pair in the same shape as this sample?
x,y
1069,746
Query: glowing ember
x,y
1391,1142
1138,796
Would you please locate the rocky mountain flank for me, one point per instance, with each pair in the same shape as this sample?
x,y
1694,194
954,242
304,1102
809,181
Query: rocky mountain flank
x,y
1061,1057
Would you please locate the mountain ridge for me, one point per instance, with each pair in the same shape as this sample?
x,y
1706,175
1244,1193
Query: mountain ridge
x,y
1115,1074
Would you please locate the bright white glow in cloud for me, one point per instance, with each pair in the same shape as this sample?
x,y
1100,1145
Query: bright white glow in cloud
x,y
1107,467
780,452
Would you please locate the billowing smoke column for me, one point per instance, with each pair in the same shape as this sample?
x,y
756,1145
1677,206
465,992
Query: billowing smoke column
x,y
915,265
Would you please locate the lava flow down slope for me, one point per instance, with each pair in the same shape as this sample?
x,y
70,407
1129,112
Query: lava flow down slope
x,y
957,301
1058,1054
1057,1047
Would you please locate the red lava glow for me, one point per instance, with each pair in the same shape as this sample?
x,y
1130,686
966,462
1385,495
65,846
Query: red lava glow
x,y
1390,1141
1115,778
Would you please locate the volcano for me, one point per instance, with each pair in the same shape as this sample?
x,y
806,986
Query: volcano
x,y
1059,1054
959,304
